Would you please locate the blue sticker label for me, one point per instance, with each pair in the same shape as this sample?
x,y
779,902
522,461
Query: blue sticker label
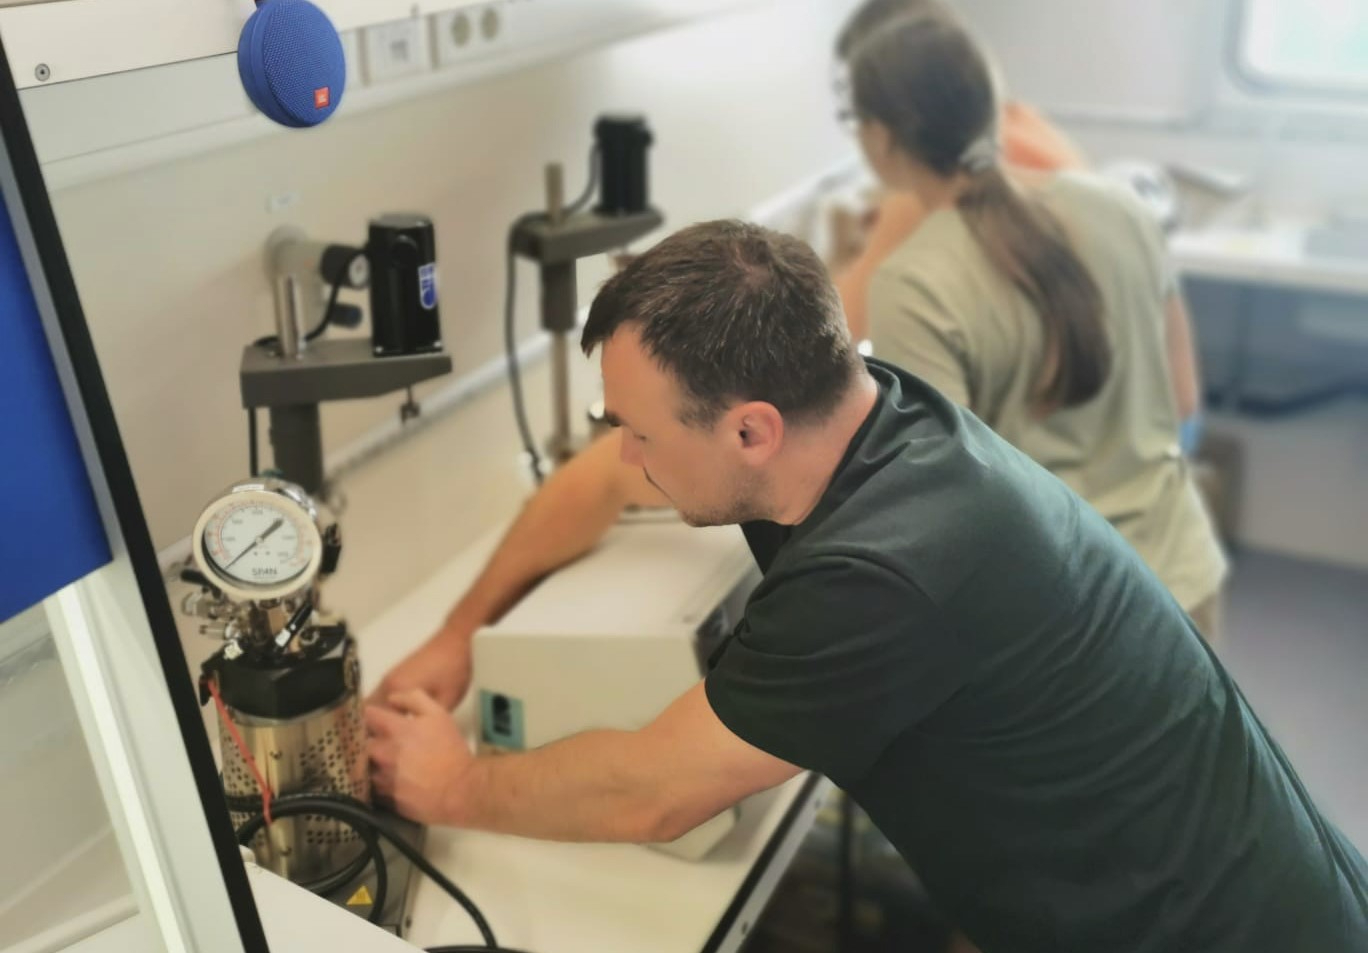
x,y
501,721
427,286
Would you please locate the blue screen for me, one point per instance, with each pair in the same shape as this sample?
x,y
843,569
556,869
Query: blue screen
x,y
50,529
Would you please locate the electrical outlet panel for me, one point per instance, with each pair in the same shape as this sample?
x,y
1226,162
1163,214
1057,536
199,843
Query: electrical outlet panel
x,y
393,50
470,31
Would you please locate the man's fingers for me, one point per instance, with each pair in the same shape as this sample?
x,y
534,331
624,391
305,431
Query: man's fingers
x,y
381,722
382,752
382,786
415,701
380,694
383,756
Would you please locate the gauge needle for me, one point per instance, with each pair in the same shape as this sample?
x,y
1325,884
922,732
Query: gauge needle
x,y
256,542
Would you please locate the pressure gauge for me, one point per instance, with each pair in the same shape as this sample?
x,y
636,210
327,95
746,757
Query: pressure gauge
x,y
260,540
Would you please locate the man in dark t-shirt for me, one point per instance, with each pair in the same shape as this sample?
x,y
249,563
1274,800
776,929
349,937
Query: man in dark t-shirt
x,y
943,629
981,661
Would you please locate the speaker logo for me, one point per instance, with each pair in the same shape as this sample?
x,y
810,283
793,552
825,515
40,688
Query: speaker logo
x,y
322,97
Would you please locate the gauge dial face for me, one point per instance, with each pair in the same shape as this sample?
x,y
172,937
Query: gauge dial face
x,y
259,541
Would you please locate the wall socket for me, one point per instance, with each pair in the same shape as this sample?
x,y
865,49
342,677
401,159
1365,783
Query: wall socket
x,y
468,32
393,50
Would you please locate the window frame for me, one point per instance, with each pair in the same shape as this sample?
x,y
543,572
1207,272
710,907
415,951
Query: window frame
x,y
1257,80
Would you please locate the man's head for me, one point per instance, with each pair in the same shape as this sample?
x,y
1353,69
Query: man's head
x,y
717,344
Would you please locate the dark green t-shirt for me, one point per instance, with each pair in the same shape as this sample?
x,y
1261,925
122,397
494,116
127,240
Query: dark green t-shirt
x,y
963,645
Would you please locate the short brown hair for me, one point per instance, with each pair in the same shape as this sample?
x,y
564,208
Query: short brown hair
x,y
735,312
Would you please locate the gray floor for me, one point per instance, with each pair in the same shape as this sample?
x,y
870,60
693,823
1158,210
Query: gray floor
x,y
1296,640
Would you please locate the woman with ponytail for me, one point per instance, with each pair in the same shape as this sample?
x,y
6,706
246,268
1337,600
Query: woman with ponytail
x,y
1042,302
1029,142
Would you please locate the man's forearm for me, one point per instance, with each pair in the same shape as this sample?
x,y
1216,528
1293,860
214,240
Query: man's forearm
x,y
647,786
591,787
561,522
651,785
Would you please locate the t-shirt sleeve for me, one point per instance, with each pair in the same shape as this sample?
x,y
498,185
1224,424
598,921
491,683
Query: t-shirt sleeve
x,y
1153,243
1156,247
831,664
909,329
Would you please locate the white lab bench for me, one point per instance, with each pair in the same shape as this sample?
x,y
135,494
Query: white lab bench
x,y
1275,255
587,898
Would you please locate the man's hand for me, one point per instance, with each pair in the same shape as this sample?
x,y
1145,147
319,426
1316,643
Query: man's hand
x,y
418,756
440,668
646,786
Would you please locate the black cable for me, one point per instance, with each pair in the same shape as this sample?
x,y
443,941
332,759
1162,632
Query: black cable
x,y
589,190
358,816
331,882
332,297
252,462
471,948
327,309
365,828
510,338
511,354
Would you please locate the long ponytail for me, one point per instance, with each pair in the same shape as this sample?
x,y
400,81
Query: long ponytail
x,y
925,79
1029,246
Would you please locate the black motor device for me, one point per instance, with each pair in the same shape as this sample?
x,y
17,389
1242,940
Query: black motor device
x,y
403,292
622,142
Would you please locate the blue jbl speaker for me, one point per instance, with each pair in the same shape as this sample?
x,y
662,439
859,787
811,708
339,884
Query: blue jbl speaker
x,y
291,62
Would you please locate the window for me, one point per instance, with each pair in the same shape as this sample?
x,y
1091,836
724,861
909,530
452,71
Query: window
x,y
1314,45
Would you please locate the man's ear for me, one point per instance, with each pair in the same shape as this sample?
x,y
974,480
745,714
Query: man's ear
x,y
758,429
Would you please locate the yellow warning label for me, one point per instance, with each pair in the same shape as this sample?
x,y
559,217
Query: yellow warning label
x,y
362,898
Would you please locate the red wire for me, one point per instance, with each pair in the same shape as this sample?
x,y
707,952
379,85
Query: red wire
x,y
242,748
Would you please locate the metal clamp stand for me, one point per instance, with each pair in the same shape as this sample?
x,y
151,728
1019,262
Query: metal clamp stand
x,y
557,241
292,389
292,378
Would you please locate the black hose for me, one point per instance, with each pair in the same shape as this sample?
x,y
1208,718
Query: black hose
x,y
359,817
510,338
323,323
252,459
588,193
365,827
511,352
332,296
346,875
250,805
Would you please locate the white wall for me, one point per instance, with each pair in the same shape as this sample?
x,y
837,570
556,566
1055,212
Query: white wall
x,y
55,41
168,259
1140,60
1155,80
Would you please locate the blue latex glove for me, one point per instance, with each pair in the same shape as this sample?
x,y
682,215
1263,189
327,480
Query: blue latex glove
x,y
1190,434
